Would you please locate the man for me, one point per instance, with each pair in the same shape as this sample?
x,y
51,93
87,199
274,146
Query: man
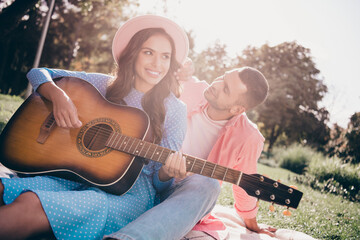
x,y
217,118
219,131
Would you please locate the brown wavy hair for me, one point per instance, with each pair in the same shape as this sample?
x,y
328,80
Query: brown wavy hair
x,y
153,100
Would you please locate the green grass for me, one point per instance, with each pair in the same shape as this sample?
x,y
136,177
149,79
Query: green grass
x,y
8,105
320,215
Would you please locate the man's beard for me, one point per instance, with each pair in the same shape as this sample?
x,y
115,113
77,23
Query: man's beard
x,y
214,103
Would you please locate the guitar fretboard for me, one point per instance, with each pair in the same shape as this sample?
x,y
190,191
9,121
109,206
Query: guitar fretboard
x,y
157,153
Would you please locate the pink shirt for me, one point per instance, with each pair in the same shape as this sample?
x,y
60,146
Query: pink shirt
x,y
239,147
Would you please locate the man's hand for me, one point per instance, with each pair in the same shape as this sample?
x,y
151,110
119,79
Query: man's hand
x,y
252,225
175,166
186,71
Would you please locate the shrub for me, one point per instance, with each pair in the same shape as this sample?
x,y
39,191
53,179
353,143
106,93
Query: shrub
x,y
295,158
333,176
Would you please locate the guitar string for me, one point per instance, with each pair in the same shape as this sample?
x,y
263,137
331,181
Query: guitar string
x,y
199,163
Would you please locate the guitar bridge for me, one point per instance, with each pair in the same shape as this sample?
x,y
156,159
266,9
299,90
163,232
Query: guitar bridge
x,y
46,128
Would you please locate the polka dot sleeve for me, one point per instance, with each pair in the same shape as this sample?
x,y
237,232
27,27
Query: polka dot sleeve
x,y
38,76
174,134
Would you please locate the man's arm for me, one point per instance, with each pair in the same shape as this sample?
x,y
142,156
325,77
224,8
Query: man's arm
x,y
245,205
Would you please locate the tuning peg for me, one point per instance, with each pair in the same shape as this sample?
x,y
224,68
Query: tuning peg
x,y
294,187
272,208
287,212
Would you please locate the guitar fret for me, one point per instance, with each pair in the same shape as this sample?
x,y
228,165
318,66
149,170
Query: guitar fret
x,y
149,144
225,174
213,171
116,142
166,153
134,140
202,167
153,152
159,155
240,176
124,143
136,151
141,144
192,166
109,140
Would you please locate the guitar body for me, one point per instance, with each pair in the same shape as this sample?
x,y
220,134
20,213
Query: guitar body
x,y
77,154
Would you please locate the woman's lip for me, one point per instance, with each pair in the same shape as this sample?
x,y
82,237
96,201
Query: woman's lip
x,y
155,73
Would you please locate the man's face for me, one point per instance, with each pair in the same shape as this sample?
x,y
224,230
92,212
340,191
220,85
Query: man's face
x,y
225,91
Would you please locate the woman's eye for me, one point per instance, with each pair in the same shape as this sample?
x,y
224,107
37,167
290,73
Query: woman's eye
x,y
148,52
166,56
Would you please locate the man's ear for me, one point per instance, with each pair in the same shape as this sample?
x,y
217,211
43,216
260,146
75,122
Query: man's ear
x,y
237,109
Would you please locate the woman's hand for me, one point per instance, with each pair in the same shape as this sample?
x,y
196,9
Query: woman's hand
x,y
175,166
64,110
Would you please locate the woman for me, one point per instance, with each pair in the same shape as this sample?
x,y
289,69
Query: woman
x,y
147,50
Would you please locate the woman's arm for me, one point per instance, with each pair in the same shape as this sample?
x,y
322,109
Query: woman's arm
x,y
64,110
174,134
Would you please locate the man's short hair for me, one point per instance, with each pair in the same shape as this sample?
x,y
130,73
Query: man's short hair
x,y
257,87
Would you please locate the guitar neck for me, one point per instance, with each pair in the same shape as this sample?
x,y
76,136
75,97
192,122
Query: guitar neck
x,y
157,153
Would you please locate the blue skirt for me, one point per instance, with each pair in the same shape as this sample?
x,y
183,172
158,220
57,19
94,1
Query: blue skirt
x,y
77,211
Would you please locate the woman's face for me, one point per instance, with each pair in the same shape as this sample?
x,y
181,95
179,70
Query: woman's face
x,y
152,63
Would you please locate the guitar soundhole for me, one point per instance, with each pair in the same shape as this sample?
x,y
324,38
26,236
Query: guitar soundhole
x,y
92,137
96,137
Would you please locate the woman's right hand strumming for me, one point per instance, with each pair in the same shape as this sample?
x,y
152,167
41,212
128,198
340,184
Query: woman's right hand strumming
x,y
64,110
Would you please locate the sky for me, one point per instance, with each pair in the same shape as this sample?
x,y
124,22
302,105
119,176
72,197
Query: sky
x,y
329,28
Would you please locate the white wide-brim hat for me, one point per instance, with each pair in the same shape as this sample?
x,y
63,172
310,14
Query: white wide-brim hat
x,y
134,25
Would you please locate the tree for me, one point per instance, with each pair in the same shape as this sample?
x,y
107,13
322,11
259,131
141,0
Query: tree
x,y
79,38
212,62
353,138
295,90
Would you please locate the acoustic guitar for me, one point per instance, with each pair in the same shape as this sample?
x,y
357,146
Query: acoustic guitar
x,y
108,151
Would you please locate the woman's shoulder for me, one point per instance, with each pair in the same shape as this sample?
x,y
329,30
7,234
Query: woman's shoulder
x,y
172,103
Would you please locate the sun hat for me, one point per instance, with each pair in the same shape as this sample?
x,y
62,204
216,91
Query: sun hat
x,y
134,25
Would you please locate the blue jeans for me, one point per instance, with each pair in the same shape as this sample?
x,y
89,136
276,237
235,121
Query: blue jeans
x,y
182,206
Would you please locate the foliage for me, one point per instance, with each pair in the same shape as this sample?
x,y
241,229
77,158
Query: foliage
x,y
295,158
333,176
337,144
345,143
320,214
8,105
353,138
212,62
295,91
79,37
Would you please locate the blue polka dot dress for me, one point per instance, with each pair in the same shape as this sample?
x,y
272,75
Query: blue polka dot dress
x,y
78,211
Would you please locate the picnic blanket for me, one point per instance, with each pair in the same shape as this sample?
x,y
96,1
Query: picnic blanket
x,y
235,229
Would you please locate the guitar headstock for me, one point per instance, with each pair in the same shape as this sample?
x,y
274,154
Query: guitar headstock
x,y
266,189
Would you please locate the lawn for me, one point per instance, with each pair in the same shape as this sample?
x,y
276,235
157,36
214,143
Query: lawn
x,y
320,215
8,105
